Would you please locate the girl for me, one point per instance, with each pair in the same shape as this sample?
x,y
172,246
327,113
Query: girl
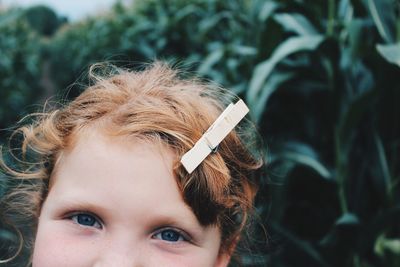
x,y
130,173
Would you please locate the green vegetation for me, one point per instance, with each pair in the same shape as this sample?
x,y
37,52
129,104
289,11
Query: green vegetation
x,y
22,60
19,66
321,79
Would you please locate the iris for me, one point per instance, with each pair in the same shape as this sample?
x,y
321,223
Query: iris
x,y
86,219
170,235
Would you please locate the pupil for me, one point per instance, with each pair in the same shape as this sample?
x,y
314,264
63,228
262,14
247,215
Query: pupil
x,y
85,219
170,235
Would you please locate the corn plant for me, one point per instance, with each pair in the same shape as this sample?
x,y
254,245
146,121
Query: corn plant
x,y
326,99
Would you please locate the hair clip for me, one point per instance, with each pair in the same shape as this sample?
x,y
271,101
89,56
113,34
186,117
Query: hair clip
x,y
210,140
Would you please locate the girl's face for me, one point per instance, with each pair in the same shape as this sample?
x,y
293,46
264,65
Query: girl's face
x,y
116,203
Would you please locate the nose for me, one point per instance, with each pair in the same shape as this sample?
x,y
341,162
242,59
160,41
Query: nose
x,y
121,255
118,260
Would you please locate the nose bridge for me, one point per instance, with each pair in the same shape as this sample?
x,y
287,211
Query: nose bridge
x,y
121,252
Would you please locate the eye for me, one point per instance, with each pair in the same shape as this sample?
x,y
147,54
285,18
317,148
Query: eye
x,y
86,219
171,235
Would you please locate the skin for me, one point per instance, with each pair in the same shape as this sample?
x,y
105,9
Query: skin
x,y
115,202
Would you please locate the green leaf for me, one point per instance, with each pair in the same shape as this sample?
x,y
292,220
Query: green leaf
x,y
210,61
185,12
296,23
275,81
353,114
210,23
303,154
267,10
390,52
345,11
243,50
383,244
308,161
348,219
355,29
386,177
264,69
306,247
383,15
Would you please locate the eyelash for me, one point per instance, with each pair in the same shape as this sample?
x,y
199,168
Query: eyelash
x,y
183,236
74,217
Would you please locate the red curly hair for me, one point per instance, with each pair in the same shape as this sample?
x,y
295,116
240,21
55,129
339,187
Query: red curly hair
x,y
157,104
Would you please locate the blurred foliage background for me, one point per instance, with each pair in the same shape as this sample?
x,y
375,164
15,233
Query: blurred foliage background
x,y
321,79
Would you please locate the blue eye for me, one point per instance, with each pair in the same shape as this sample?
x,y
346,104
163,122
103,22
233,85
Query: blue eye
x,y
171,235
86,219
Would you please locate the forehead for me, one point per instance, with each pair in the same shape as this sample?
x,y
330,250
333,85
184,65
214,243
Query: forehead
x,y
100,139
120,153
112,171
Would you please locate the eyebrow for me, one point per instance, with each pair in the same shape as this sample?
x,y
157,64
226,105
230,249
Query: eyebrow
x,y
83,205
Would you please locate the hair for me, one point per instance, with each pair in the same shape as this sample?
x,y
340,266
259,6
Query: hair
x,y
157,103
